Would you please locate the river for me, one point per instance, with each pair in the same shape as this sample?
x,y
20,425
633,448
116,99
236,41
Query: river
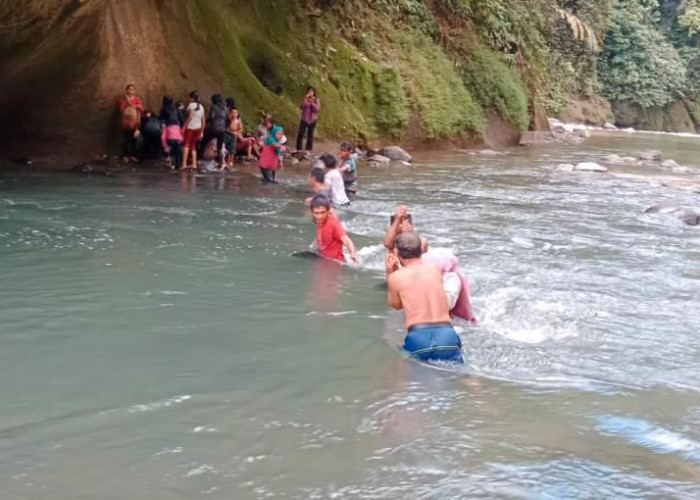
x,y
159,339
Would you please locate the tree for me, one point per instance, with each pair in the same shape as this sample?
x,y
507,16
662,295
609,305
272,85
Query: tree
x,y
638,64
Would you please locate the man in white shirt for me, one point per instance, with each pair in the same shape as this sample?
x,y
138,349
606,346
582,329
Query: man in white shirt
x,y
334,180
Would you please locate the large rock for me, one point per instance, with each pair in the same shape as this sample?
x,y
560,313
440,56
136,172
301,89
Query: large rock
x,y
589,166
609,126
613,159
565,167
395,153
684,214
651,155
380,159
670,164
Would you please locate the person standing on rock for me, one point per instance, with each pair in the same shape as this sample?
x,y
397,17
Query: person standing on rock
x,y
131,108
310,107
192,130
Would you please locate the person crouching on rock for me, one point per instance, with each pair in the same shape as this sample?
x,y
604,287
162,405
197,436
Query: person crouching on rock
x,y
330,233
416,287
272,153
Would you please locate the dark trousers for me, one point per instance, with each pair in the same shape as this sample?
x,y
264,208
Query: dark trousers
x,y
130,144
268,174
151,146
175,152
303,129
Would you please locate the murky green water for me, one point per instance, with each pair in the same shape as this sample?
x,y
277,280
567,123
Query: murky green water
x,y
158,340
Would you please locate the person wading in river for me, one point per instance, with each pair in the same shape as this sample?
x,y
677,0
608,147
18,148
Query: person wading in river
x,y
416,287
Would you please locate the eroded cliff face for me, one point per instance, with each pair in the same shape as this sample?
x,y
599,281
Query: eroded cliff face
x,y
64,69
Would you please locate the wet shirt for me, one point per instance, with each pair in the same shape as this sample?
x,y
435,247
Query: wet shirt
x,y
218,118
334,180
328,239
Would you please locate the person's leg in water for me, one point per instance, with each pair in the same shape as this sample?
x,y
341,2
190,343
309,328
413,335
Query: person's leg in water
x,y
175,153
268,174
310,137
300,136
220,138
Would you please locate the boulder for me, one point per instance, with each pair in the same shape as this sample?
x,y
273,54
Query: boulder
x,y
613,159
372,164
590,167
564,167
379,159
489,152
651,155
395,153
685,215
628,159
682,170
670,164
609,126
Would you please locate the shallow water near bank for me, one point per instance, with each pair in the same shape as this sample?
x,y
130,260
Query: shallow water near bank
x,y
159,339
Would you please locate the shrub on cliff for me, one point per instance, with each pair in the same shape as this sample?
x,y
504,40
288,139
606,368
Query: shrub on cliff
x,y
496,86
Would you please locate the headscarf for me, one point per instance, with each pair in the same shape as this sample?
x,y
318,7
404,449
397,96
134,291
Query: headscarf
x,y
447,262
272,136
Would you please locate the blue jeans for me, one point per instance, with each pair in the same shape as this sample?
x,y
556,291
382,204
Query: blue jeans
x,y
434,342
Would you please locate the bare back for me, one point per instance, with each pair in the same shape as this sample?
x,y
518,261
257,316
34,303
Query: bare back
x,y
418,290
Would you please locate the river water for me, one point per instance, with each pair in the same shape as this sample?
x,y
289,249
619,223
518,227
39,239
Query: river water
x,y
159,339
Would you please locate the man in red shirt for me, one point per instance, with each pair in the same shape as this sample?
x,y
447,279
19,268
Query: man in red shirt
x,y
131,108
330,234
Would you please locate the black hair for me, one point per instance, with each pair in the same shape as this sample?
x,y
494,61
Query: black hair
x,y
409,245
168,101
346,146
318,174
311,87
329,160
194,95
217,99
230,103
179,104
320,201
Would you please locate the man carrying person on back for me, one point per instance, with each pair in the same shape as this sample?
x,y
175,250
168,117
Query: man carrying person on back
x,y
416,287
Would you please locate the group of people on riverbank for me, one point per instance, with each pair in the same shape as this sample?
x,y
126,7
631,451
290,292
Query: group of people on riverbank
x,y
190,136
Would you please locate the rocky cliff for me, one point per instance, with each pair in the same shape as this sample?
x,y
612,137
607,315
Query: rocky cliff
x,y
377,74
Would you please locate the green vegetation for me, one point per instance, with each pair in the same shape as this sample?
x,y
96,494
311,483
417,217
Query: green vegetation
x,y
497,86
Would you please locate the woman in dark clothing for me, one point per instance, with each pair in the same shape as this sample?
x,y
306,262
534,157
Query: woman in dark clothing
x,y
218,123
150,132
310,107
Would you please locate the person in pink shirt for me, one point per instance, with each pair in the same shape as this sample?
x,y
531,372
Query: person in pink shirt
x,y
310,107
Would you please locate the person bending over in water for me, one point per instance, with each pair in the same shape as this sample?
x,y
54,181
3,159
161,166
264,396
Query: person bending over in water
x,y
416,287
401,222
330,234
